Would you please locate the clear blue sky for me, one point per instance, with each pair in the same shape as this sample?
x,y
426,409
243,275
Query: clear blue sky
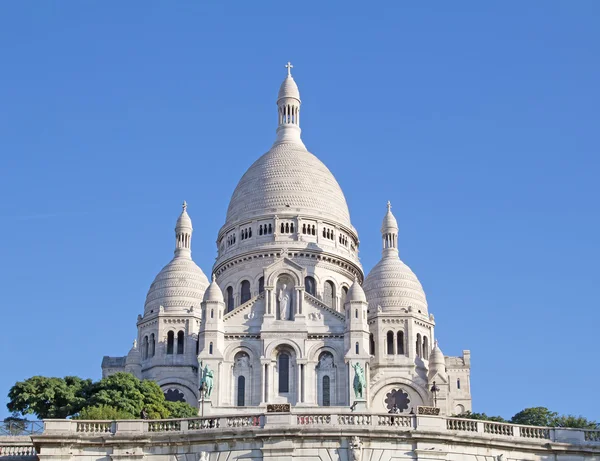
x,y
478,120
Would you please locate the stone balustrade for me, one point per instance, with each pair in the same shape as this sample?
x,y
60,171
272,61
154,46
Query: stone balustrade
x,y
374,422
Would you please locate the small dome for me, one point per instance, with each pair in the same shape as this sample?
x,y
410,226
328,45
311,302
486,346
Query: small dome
x,y
179,285
356,293
288,89
437,361
213,292
393,286
184,220
389,221
133,357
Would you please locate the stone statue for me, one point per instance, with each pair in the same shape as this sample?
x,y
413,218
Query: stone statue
x,y
356,449
284,302
326,362
207,381
243,361
359,381
203,456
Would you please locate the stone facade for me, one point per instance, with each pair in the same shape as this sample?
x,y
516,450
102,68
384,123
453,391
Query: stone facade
x,y
289,317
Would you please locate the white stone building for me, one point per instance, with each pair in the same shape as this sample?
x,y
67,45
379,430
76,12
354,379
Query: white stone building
x,y
289,316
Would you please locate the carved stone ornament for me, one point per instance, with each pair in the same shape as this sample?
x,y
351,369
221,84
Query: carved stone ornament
x,y
203,456
355,449
279,408
428,411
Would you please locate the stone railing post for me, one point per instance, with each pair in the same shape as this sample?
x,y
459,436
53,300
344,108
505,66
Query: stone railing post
x,y
128,427
516,431
480,427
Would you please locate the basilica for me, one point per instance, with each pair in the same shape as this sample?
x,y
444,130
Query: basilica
x,y
287,315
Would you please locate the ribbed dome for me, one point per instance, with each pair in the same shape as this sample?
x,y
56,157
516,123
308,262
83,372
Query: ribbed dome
x,y
393,286
179,285
288,179
288,89
356,293
214,292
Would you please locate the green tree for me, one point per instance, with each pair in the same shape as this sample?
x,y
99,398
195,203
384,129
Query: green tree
x,y
104,412
181,409
125,392
535,416
49,397
481,416
119,396
576,422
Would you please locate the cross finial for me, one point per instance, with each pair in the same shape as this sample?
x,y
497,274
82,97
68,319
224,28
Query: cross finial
x,y
389,205
289,68
184,205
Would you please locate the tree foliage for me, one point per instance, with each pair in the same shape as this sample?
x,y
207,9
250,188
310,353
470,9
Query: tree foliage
x,y
119,396
538,416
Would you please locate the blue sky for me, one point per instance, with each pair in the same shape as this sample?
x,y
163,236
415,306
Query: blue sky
x,y
478,120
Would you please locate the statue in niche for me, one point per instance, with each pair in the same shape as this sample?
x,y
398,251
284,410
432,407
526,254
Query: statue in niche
x,y
326,362
285,299
242,361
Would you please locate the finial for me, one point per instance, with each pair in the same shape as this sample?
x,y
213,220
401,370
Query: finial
x,y
389,205
289,68
184,205
214,278
135,343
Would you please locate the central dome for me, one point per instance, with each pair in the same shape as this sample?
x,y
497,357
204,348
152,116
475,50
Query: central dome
x,y
288,179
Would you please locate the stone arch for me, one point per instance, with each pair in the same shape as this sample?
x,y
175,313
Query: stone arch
x,y
187,388
417,394
271,348
232,349
274,276
316,350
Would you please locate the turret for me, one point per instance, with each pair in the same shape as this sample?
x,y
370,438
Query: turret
x,y
211,337
133,361
288,110
183,234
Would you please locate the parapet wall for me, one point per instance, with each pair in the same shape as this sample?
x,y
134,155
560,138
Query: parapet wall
x,y
311,436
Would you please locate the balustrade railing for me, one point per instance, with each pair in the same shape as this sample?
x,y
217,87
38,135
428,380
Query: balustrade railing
x,y
354,420
313,420
465,425
94,427
19,427
164,425
202,423
395,420
14,450
243,421
532,432
498,428
592,436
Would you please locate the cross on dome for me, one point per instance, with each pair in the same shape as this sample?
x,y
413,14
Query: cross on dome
x,y
389,205
184,205
289,68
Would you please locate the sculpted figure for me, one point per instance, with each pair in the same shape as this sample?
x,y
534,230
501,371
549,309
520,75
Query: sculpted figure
x,y
359,381
356,449
284,303
203,456
207,381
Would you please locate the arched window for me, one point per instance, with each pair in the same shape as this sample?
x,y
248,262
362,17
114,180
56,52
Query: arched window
x,y
270,229
344,294
152,345
371,344
400,346
329,294
458,383
241,391
170,342
260,232
229,299
245,292
180,337
310,285
283,367
304,228
261,284
356,348
197,346
326,391
390,343
292,228
419,346
145,348
282,228
425,348
210,348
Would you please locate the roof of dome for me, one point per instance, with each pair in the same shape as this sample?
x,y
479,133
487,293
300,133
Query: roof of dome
x,y
437,361
179,285
214,292
356,293
392,285
288,89
389,220
184,219
288,179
